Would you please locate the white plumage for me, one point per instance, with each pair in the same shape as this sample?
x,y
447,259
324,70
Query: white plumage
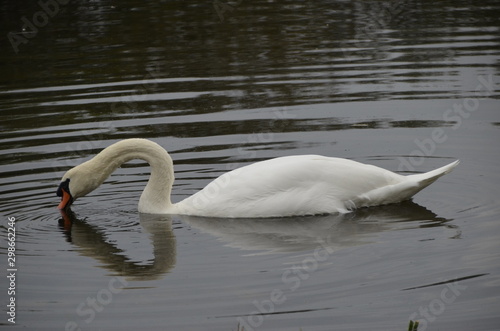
x,y
284,186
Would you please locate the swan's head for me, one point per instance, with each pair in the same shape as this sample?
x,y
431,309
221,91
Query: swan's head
x,y
77,182
64,192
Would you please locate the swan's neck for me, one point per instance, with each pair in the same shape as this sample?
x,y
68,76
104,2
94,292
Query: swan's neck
x,y
155,199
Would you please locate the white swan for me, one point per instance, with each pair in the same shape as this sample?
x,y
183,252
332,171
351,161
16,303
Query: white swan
x,y
284,186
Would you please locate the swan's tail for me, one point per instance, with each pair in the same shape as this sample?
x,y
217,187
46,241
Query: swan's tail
x,y
426,179
403,190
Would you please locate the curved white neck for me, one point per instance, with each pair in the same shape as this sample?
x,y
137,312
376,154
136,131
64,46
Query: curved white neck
x,y
155,199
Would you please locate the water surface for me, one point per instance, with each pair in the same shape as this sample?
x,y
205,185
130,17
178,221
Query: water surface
x,y
405,85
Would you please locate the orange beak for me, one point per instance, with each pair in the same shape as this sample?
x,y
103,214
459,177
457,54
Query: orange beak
x,y
66,198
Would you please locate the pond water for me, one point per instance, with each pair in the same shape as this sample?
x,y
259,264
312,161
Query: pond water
x,y
405,85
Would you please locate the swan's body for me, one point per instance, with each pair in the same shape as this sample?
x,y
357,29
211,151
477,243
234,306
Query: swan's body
x,y
285,186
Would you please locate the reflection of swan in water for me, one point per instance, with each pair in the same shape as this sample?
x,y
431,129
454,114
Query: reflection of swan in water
x,y
292,234
92,242
306,233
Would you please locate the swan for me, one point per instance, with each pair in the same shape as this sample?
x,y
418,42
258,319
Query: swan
x,y
285,186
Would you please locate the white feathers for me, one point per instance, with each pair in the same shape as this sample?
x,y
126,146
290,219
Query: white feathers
x,y
285,186
302,185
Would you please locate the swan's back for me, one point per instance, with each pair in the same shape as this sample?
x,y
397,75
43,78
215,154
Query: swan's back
x,y
298,185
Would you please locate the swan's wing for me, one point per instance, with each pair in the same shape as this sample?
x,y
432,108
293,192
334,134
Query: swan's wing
x,y
286,186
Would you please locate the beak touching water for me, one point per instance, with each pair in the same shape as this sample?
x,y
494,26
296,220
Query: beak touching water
x,y
64,193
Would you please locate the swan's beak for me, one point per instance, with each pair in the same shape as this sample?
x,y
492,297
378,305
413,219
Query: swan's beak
x,y
66,200
66,197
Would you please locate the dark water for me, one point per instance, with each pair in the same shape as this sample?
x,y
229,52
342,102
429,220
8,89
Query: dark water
x,y
404,85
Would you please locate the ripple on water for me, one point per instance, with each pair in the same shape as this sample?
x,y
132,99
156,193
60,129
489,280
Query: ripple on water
x,y
329,86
